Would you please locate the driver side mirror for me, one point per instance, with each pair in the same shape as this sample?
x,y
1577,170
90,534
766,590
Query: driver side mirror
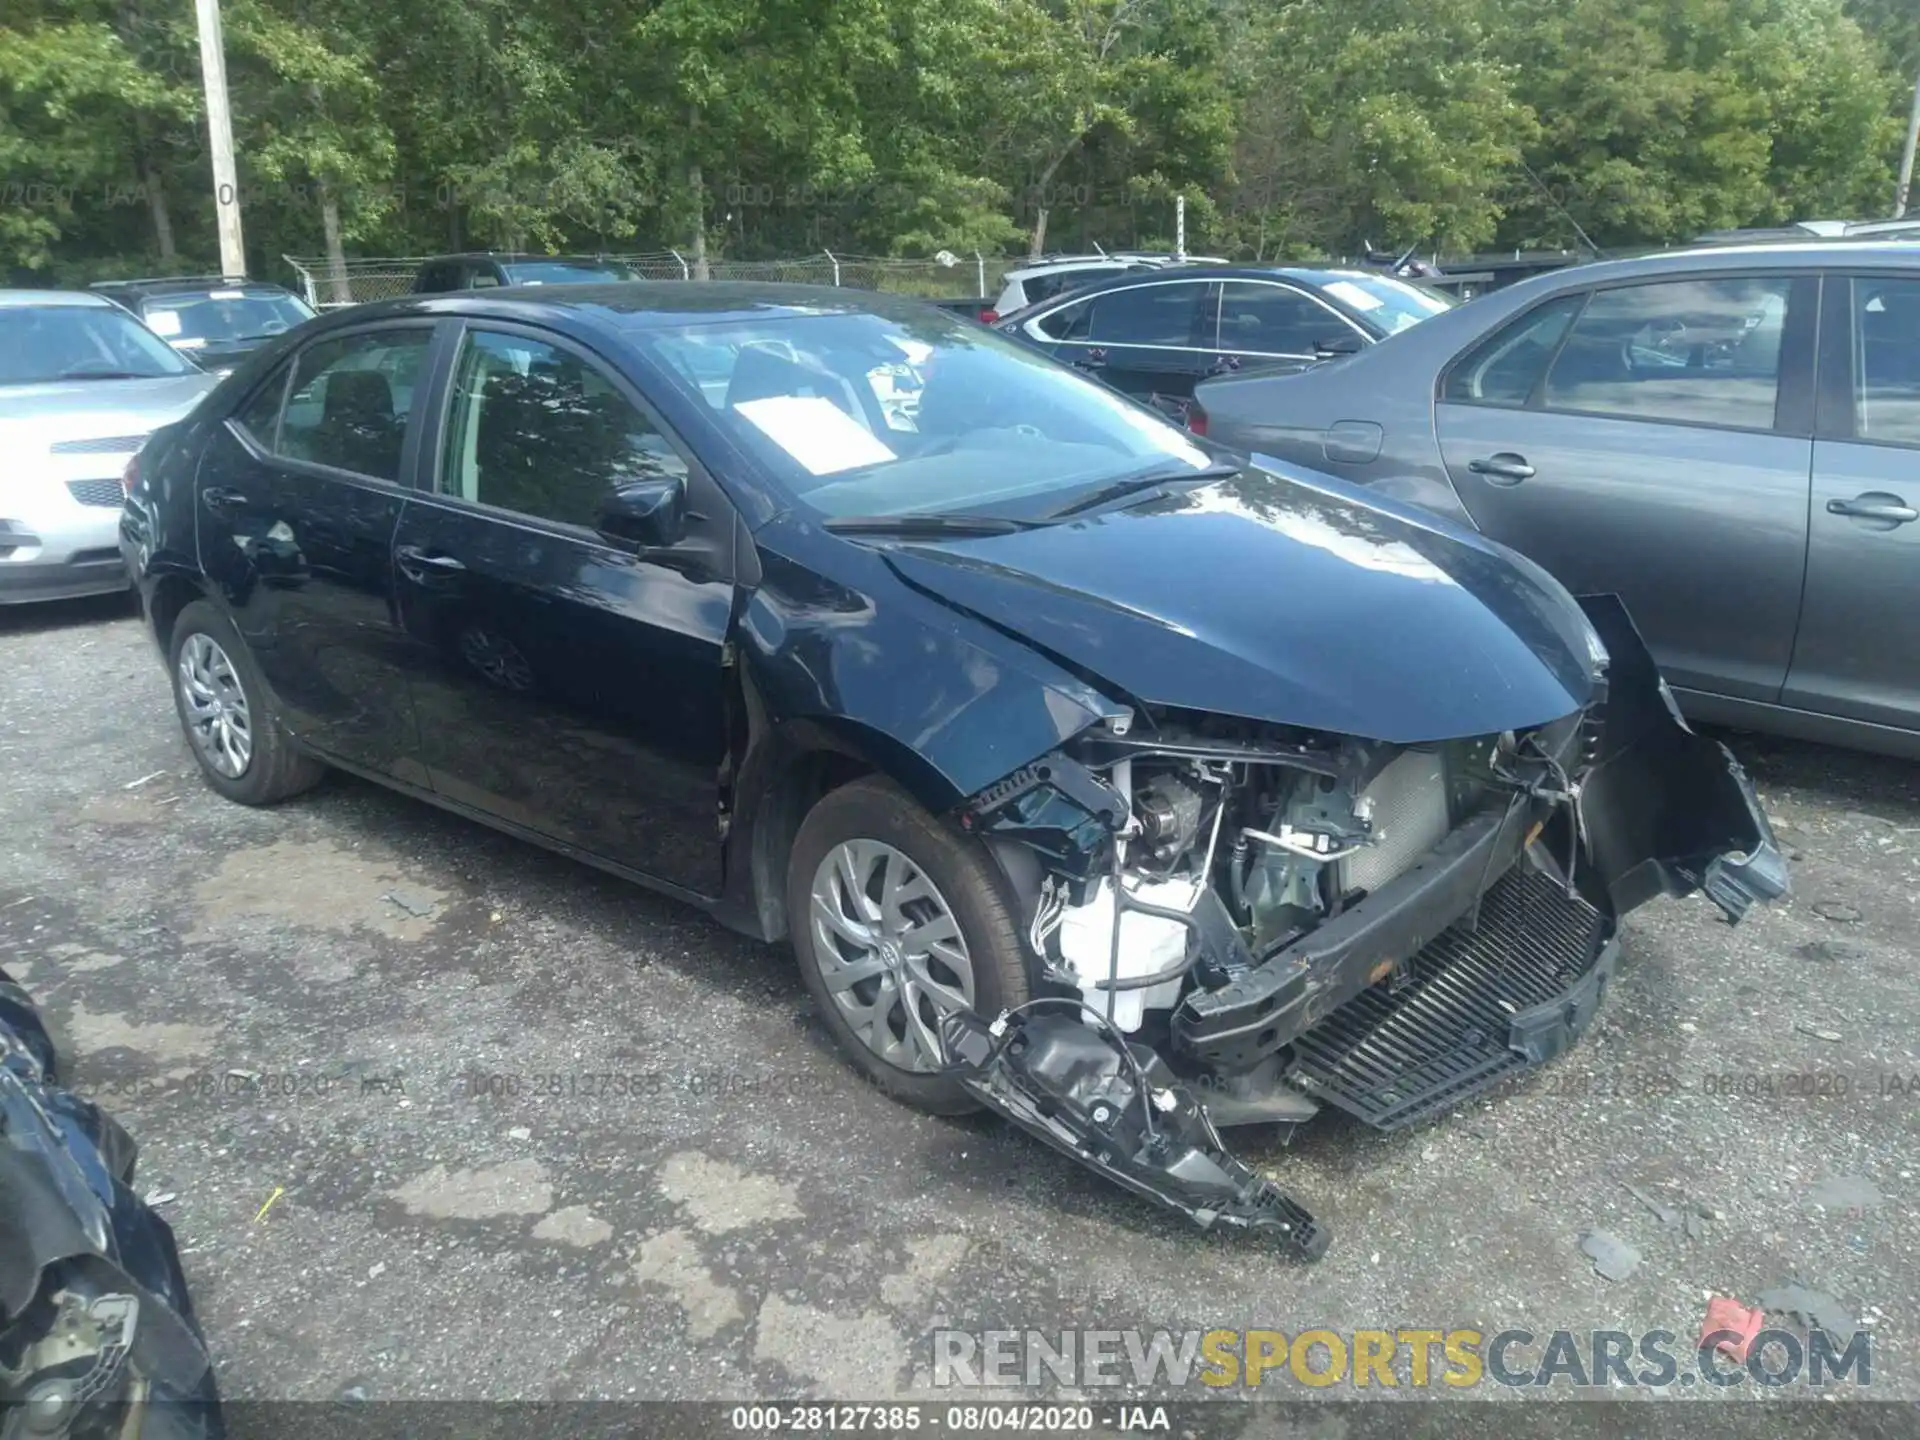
x,y
1348,344
644,514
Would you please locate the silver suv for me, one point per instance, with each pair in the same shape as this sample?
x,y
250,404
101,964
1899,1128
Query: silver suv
x,y
1056,274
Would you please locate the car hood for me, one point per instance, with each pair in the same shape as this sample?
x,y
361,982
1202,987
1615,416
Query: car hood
x,y
1290,598
36,416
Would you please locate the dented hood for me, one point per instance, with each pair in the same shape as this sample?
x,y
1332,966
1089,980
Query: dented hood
x,y
1284,597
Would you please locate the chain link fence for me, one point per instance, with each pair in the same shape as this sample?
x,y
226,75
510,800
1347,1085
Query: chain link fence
x,y
328,286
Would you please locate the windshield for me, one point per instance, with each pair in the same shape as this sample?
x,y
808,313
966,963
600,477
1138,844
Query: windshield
x,y
1390,303
862,415
189,322
40,344
561,272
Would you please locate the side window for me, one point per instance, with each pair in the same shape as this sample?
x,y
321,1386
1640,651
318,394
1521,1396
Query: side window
x,y
1146,315
1273,319
480,276
1504,368
1069,322
1700,351
350,400
1886,364
536,430
260,416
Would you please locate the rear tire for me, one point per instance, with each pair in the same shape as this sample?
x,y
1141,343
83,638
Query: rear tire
x,y
228,715
895,918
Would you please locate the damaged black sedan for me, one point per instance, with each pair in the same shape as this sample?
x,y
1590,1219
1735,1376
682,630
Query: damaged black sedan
x,y
1097,775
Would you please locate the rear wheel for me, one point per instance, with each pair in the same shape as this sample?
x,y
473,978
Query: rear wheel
x,y
229,718
897,920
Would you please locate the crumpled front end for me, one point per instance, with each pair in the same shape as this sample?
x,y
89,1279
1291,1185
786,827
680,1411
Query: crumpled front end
x,y
97,1332
1236,923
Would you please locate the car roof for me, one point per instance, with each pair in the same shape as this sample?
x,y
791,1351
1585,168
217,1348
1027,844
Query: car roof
x,y
1159,274
514,257
187,285
28,299
1757,255
643,304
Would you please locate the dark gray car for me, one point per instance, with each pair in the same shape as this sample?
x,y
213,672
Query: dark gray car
x,y
1727,438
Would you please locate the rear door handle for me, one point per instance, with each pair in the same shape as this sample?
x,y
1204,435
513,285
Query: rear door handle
x,y
418,564
1506,468
1875,505
221,500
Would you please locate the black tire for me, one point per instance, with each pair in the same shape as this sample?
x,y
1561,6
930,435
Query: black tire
x,y
967,879
275,770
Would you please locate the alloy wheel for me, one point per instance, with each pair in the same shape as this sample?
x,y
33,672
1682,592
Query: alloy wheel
x,y
890,950
219,720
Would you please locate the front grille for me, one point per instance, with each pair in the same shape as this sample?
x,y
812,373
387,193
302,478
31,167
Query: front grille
x,y
97,492
1456,1020
100,445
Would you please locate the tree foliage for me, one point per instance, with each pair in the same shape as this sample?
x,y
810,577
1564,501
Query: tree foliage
x,y
771,127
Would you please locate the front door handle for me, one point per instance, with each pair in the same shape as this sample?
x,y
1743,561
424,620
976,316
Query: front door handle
x,y
1875,505
418,564
222,501
1506,468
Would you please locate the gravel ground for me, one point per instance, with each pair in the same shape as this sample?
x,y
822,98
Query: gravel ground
x,y
520,1131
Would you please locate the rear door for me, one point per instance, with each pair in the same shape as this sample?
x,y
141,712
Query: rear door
x,y
1144,339
1858,651
298,496
566,683
1654,440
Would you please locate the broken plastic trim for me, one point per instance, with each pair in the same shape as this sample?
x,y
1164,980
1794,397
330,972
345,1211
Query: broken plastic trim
x,y
1117,1109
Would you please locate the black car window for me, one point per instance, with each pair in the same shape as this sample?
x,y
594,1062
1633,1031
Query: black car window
x,y
1699,351
436,276
350,401
481,276
1069,322
260,416
535,429
1146,315
1273,320
1886,365
1505,368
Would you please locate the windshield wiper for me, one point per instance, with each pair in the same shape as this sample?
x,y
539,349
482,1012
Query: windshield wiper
x,y
106,375
1134,484
924,524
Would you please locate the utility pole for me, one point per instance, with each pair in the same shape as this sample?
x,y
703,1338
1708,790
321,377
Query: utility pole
x,y
1906,160
1180,227
226,182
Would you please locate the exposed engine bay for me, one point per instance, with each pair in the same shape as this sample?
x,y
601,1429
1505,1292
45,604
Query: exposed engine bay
x,y
1236,924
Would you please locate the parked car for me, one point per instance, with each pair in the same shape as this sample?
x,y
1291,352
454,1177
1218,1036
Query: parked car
x,y
490,270
1096,776
82,384
1055,275
1728,438
1156,334
213,320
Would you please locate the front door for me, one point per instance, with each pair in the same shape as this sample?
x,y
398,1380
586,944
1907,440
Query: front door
x,y
1259,322
1858,652
1653,441
299,495
566,683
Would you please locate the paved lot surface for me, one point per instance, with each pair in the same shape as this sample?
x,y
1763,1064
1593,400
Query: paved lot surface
x,y
531,1133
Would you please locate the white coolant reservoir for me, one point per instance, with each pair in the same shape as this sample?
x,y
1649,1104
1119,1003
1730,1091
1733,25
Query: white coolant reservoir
x,y
1148,943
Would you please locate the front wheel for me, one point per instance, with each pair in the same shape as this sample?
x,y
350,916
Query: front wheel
x,y
897,920
229,716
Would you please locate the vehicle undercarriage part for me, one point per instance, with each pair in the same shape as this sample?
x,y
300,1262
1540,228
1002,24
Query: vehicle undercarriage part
x,y
97,1335
1237,924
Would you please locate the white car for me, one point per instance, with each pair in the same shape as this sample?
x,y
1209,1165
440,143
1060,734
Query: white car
x,y
1056,274
82,385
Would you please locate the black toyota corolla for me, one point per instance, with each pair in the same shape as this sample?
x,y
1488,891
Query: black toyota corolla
x,y
1097,775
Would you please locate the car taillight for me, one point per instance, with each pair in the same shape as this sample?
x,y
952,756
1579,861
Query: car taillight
x,y
130,476
988,317
1196,419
